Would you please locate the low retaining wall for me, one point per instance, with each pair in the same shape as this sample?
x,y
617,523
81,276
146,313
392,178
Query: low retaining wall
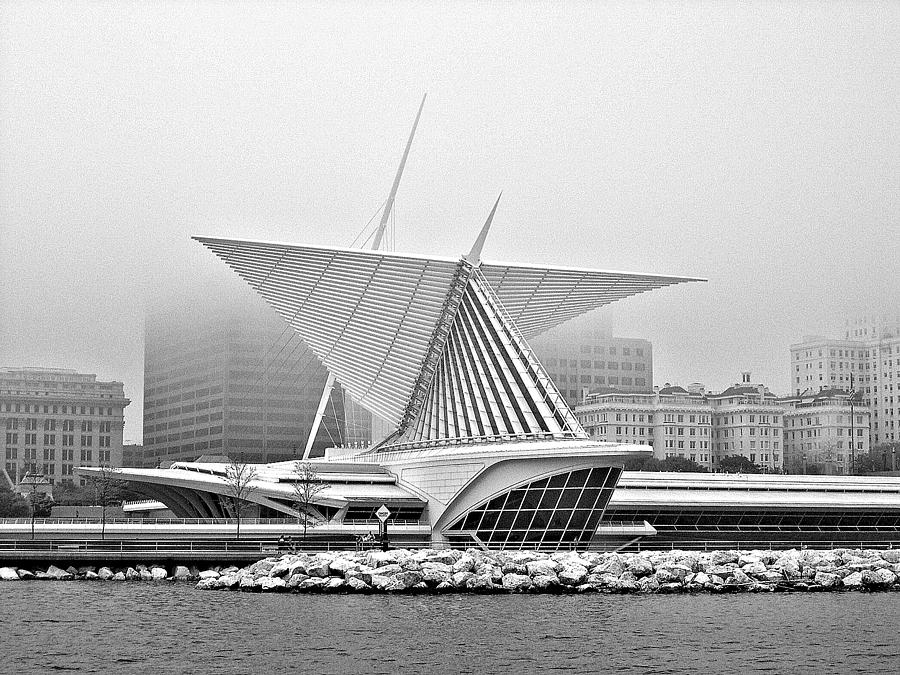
x,y
478,571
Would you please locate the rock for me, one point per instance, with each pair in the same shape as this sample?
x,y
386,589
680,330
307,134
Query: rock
x,y
145,575
770,576
270,584
261,567
380,582
339,566
754,569
91,576
464,564
612,566
724,557
827,580
209,583
664,575
248,583
54,572
892,555
8,574
379,558
231,580
409,579
181,573
513,567
585,588
542,568
723,571
388,570
853,581
445,587
334,584
459,579
358,584
319,568
650,584
738,578
443,568
279,569
393,585
887,576
104,574
700,578
516,582
572,575
878,579
447,556
626,584
640,567
118,576
545,582
480,583
25,575
789,567
747,559
158,573
209,574
72,570
296,579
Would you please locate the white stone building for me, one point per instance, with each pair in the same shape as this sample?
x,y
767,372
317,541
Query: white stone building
x,y
823,430
54,420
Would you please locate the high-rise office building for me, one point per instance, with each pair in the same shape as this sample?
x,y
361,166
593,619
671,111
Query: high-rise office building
x,y
54,420
233,380
582,358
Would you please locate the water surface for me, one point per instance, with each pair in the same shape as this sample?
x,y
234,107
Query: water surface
x,y
83,627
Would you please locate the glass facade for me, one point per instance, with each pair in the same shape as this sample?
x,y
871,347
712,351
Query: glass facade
x,y
785,520
559,511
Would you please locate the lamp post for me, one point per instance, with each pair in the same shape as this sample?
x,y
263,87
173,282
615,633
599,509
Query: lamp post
x,y
804,463
852,454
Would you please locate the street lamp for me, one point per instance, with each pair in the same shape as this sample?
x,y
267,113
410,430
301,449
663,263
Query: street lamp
x,y
804,463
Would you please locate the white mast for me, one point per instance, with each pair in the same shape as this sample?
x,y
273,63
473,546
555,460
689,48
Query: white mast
x,y
376,244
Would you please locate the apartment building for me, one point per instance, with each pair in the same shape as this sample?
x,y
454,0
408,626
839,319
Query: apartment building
x,y
823,430
674,421
866,361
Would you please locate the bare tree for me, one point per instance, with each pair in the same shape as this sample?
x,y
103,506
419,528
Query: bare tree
x,y
829,454
307,485
107,487
239,477
38,501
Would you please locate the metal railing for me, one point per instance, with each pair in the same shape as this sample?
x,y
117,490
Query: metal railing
x,y
286,522
749,544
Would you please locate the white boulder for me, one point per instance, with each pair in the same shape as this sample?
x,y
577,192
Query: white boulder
x,y
8,574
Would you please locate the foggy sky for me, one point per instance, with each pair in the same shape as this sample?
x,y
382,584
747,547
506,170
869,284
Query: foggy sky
x,y
755,144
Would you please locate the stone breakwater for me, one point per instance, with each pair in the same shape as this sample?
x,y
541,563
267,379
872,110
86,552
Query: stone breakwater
x,y
477,571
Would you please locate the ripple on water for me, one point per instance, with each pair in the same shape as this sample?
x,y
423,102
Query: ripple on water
x,y
138,628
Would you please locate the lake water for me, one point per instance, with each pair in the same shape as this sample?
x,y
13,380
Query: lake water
x,y
83,627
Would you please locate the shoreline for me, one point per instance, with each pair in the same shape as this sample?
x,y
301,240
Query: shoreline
x,y
477,571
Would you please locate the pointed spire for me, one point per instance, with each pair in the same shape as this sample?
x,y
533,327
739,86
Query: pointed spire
x,y
390,201
474,256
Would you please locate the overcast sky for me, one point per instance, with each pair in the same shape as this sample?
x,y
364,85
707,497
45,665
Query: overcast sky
x,y
755,144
